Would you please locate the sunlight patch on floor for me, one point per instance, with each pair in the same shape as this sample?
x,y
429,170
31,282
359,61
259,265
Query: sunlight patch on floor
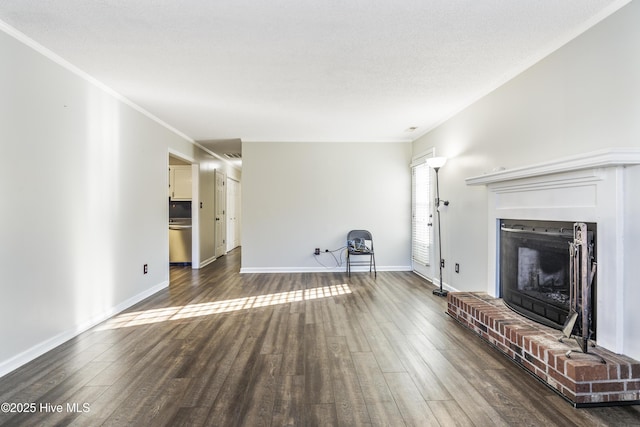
x,y
146,317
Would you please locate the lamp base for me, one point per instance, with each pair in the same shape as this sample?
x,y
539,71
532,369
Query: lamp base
x,y
440,292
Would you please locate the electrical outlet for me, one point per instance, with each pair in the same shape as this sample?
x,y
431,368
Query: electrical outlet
x,y
457,268
317,252
442,263
145,268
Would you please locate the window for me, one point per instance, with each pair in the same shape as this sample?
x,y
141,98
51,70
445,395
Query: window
x,y
421,214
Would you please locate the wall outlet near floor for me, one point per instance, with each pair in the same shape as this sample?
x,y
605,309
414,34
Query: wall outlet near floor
x,y
442,263
457,268
317,251
145,268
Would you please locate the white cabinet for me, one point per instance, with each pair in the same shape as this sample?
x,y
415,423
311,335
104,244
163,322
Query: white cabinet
x,y
179,182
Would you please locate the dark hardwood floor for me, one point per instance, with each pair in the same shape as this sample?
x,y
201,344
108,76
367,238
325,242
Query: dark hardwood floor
x,y
223,349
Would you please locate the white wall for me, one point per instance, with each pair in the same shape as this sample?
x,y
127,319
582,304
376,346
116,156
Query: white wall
x,y
205,205
583,97
631,274
84,203
299,196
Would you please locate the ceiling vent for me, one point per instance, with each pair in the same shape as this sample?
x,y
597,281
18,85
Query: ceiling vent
x,y
233,156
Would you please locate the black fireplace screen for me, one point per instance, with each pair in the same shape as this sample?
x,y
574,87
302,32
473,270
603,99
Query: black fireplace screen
x,y
535,269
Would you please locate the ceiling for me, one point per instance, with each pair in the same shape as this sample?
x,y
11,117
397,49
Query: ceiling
x,y
222,71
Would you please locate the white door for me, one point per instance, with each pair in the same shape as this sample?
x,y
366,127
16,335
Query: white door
x,y
233,214
221,208
421,216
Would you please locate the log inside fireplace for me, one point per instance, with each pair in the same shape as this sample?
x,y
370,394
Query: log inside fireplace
x,y
534,265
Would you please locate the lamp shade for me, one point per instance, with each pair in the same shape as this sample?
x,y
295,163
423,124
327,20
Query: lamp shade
x,y
436,162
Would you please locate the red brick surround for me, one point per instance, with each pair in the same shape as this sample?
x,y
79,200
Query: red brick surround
x,y
581,378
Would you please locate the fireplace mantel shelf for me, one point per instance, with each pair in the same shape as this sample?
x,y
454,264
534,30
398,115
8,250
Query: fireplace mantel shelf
x,y
596,159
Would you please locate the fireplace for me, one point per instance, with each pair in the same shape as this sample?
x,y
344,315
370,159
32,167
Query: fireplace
x,y
596,188
534,264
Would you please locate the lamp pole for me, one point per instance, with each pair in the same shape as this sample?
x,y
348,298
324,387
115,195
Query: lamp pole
x,y
439,292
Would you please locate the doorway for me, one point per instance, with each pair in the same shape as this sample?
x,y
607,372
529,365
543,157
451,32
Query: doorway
x,y
182,212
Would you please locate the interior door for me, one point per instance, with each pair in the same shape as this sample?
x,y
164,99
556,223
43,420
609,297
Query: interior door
x,y
221,208
233,214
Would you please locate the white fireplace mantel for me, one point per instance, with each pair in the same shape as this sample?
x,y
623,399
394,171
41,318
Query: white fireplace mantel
x,y
596,159
588,187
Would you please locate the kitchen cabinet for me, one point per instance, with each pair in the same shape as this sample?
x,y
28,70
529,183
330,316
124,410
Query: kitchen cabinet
x,y
180,182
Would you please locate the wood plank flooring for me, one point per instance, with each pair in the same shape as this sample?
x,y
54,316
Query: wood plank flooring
x,y
222,349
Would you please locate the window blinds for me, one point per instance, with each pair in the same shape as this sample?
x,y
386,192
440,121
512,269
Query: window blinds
x,y
420,213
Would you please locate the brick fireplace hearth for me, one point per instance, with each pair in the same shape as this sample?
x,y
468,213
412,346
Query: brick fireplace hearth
x,y
581,378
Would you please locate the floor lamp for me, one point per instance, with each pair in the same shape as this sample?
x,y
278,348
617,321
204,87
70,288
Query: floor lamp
x,y
436,163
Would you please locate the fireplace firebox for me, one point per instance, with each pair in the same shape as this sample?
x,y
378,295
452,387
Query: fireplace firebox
x,y
535,269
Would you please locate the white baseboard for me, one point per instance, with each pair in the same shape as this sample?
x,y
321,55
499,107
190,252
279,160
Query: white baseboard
x,y
207,262
320,269
436,282
39,349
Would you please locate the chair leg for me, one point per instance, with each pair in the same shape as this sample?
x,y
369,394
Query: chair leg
x,y
372,265
375,272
